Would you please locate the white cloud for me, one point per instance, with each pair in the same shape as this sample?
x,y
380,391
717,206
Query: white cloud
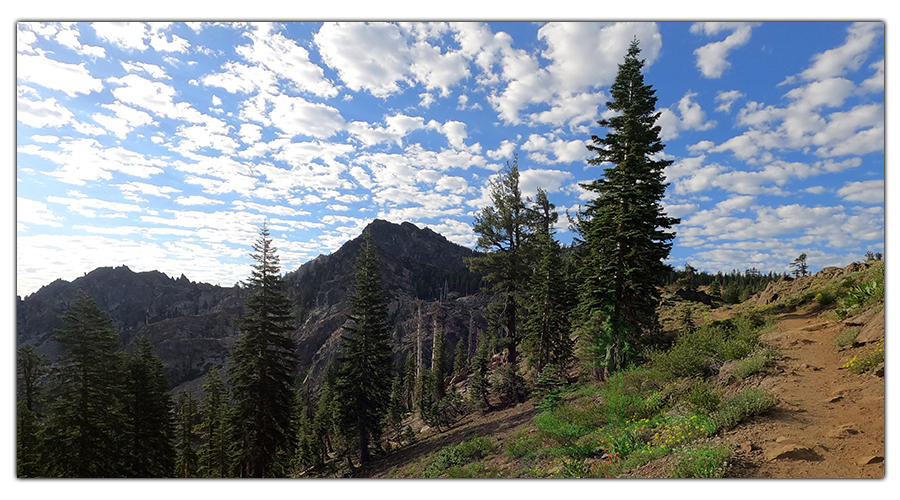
x,y
40,114
564,151
548,180
72,79
849,56
505,150
727,98
566,84
379,57
88,207
84,160
127,36
690,116
124,120
35,212
142,67
160,42
132,189
69,36
863,191
712,59
195,199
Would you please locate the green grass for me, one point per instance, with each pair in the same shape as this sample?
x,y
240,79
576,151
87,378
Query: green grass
x,y
868,359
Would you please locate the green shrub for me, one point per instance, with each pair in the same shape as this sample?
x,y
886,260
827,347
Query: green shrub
x,y
681,361
863,295
704,462
703,396
460,455
522,443
743,405
846,338
867,359
755,363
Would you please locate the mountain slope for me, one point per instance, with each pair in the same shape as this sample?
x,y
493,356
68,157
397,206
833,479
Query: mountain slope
x,y
193,325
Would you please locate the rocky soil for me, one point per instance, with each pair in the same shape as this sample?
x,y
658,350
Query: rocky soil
x,y
829,422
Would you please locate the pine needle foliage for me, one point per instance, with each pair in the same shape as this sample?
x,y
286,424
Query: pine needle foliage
x,y
213,455
264,361
625,230
149,411
364,381
86,418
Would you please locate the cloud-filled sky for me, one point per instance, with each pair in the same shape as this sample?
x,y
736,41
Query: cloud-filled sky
x,y
163,145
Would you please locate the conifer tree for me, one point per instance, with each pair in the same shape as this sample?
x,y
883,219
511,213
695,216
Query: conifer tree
x,y
213,458
30,368
87,416
547,326
364,383
149,413
264,362
324,420
409,382
459,358
185,453
479,386
503,231
625,231
439,361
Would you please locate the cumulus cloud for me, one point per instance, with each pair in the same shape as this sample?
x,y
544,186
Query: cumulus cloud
x,y
125,35
712,59
863,191
727,98
567,85
379,57
689,116
72,79
35,212
850,56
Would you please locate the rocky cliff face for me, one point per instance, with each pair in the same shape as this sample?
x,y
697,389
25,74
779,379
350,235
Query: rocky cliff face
x,y
193,325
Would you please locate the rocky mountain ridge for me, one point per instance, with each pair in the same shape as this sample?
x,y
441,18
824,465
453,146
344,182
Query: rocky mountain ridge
x,y
193,325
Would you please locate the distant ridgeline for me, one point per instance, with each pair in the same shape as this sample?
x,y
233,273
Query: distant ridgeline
x,y
192,326
731,288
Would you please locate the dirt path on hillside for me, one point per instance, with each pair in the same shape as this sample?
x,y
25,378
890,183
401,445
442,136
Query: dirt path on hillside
x,y
829,422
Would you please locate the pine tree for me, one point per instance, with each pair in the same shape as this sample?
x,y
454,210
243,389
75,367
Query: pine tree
x,y
409,382
213,455
149,414
479,386
87,416
185,452
459,358
625,230
264,363
547,326
30,368
800,266
439,361
503,231
364,383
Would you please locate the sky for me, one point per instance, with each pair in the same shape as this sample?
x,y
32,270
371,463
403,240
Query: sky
x,y
162,146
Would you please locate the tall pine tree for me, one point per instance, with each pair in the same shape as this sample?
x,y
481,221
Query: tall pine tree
x,y
625,230
549,300
264,362
31,367
213,454
149,413
364,382
87,416
503,231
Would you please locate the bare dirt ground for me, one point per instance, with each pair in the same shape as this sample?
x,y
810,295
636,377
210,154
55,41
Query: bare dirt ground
x,y
829,422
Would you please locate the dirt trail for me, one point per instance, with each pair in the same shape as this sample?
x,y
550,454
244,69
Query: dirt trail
x,y
828,421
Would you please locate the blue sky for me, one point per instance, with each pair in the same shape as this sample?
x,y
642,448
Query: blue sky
x,y
162,145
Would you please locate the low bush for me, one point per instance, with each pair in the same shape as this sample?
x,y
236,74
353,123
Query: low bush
x,y
867,359
755,363
460,455
703,396
743,405
702,462
846,338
